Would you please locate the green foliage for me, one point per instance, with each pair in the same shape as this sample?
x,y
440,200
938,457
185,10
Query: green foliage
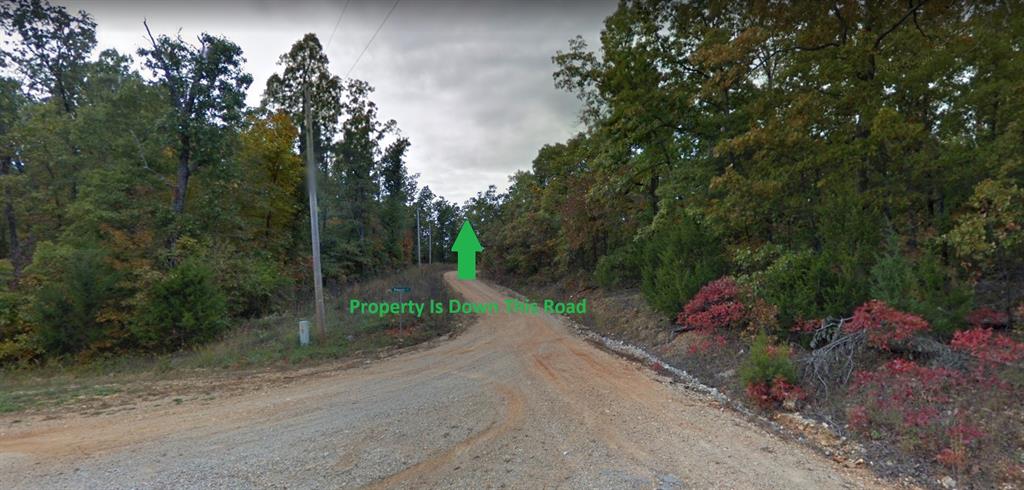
x,y
922,286
17,341
53,49
621,268
306,64
271,174
678,259
989,237
795,144
798,139
767,362
805,284
74,311
182,309
792,281
152,211
255,287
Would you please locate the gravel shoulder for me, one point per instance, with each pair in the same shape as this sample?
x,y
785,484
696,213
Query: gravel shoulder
x,y
516,400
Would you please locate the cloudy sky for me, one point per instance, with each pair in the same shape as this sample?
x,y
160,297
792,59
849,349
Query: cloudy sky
x,y
468,82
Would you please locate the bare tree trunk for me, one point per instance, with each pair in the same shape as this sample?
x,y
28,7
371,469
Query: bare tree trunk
x,y
12,226
181,186
12,233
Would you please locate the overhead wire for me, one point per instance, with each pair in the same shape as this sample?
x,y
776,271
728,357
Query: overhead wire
x,y
374,36
338,23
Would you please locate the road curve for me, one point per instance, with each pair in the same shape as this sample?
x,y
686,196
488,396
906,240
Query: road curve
x,y
515,401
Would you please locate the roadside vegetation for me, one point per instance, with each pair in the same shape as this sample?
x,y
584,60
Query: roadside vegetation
x,y
824,204
146,209
268,344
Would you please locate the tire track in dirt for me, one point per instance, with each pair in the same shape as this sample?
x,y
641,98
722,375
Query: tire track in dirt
x,y
513,414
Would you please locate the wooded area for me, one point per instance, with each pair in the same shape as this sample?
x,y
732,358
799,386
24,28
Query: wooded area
x,y
146,209
825,154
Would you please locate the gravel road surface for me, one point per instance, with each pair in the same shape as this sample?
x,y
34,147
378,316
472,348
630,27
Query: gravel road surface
x,y
515,401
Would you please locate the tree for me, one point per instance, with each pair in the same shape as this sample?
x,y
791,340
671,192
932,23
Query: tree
x,y
446,227
95,261
305,65
482,209
356,157
395,186
272,176
990,238
796,134
52,48
206,86
11,102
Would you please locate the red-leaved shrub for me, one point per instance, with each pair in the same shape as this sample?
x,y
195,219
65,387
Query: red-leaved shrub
x,y
909,403
987,346
885,326
715,306
706,342
987,317
956,417
778,392
805,326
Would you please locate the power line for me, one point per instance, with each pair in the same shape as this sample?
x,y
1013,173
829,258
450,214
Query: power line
x,y
338,23
374,36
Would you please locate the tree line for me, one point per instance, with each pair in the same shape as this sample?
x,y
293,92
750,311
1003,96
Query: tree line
x,y
823,154
145,205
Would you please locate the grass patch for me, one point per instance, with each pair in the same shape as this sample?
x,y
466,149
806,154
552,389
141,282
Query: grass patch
x,y
41,396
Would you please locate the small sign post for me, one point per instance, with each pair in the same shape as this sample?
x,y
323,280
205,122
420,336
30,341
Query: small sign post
x,y
400,290
303,332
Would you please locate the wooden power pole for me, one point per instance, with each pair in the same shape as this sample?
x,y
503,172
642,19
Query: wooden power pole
x,y
419,255
314,220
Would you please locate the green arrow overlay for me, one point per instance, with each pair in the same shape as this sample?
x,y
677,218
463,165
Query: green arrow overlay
x,y
466,246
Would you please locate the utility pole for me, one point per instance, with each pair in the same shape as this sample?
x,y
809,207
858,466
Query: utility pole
x,y
430,243
314,221
419,256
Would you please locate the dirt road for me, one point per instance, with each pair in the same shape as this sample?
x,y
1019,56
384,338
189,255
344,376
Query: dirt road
x,y
515,401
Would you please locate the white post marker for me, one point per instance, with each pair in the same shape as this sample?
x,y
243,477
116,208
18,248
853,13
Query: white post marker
x,y
400,290
303,332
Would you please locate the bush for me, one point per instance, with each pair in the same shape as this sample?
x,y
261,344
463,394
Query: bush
x,y
621,268
987,318
793,282
885,326
923,287
184,308
767,362
678,260
777,392
943,414
769,374
255,287
715,306
75,311
994,352
909,403
17,342
964,419
255,284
